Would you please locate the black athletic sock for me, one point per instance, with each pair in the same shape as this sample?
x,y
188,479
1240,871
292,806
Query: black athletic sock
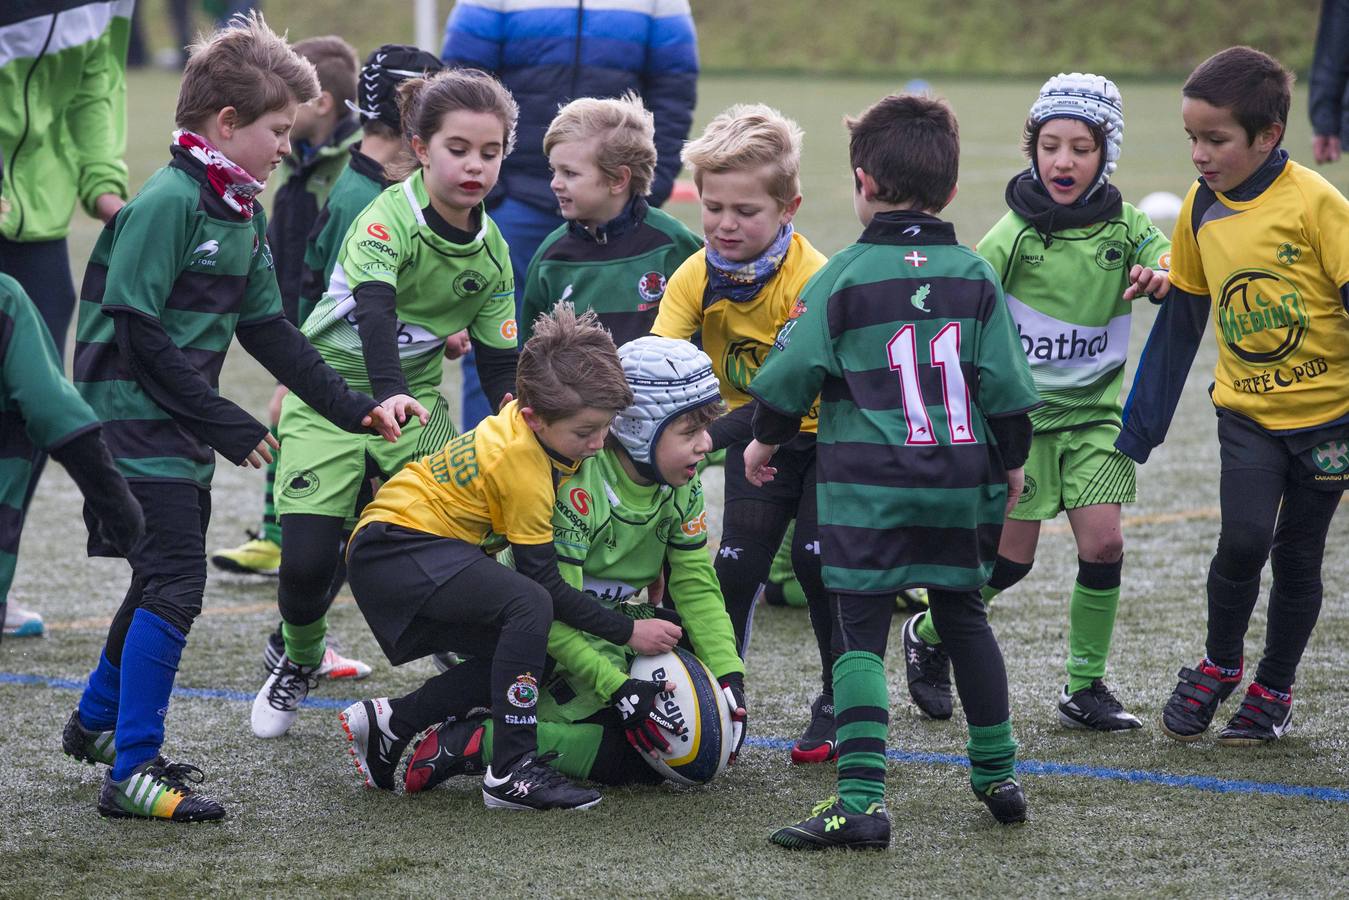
x,y
517,670
451,693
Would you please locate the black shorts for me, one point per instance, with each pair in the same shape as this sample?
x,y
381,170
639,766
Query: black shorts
x,y
1317,459
393,571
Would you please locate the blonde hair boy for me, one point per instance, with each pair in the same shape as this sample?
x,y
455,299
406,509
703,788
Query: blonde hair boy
x,y
750,136
625,132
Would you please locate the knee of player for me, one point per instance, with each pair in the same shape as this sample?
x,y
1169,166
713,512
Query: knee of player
x,y
529,605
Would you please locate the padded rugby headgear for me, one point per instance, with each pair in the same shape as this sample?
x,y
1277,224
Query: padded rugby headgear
x,y
668,379
1093,99
386,68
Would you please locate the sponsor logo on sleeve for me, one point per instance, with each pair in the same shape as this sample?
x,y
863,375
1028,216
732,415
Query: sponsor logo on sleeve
x,y
377,230
580,500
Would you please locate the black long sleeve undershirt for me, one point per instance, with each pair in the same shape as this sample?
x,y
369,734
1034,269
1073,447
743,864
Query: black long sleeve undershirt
x,y
377,322
496,371
116,512
285,352
736,427
576,608
173,383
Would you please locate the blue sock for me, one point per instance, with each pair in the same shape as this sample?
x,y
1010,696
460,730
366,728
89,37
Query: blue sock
x,y
149,665
99,702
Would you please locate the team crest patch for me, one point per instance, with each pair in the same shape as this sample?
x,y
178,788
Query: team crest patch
x,y
1027,492
301,484
469,283
1332,457
1111,255
920,295
651,287
1288,253
915,259
524,692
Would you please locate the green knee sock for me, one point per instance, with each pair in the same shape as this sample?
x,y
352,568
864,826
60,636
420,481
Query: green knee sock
x,y
576,745
305,644
271,526
928,632
992,752
1091,623
862,711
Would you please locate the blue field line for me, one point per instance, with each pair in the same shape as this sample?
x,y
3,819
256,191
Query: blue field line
x,y
1023,766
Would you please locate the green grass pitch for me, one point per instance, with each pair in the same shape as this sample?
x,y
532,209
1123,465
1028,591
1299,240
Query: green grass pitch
x,y
1106,818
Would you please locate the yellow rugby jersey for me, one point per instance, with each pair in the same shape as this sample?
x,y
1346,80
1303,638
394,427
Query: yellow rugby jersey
x,y
490,486
1273,267
738,336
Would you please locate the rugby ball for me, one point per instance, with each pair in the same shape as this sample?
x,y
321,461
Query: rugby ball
x,y
1160,206
697,702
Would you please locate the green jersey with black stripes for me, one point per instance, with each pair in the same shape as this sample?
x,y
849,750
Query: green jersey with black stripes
x,y
175,254
1065,293
441,287
613,538
907,342
38,408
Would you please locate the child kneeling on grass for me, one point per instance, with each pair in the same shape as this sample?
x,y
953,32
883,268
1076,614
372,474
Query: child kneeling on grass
x,y
422,571
629,510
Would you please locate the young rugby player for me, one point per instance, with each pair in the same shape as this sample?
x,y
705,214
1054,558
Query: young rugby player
x,y
924,390
1262,239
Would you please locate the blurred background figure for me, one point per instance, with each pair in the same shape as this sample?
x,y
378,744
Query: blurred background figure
x,y
1329,106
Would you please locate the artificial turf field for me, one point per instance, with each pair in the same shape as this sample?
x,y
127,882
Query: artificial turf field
x,y
1131,814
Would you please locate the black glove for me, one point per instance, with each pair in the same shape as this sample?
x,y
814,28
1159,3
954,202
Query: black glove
x,y
120,521
642,722
733,686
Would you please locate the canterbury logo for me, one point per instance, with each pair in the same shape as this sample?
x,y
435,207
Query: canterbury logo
x,y
207,249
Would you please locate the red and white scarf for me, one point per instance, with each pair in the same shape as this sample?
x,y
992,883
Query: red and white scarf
x,y
234,185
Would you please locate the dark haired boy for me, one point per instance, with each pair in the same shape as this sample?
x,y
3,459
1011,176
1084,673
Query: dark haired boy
x,y
924,426
1264,238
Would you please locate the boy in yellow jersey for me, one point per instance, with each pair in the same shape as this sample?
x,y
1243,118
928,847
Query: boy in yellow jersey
x,y
421,569
738,292
1263,239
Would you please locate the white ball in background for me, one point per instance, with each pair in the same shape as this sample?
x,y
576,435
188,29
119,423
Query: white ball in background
x,y
1160,205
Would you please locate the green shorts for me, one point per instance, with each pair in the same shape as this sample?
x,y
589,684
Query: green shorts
x,y
1072,469
322,467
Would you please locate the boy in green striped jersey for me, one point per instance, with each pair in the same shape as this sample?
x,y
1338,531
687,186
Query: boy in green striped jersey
x,y
924,427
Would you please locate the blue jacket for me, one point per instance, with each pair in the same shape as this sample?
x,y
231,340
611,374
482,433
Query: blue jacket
x,y
548,55
1329,104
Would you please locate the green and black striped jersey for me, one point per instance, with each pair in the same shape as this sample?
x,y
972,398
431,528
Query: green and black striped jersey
x,y
907,341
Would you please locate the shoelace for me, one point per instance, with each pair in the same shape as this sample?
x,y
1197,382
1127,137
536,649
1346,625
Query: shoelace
x,y
824,804
176,775
284,689
1106,700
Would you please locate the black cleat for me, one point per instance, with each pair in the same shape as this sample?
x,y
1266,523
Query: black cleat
x,y
95,747
158,789
1261,718
1095,708
451,748
819,742
535,784
830,826
928,670
1005,800
1190,709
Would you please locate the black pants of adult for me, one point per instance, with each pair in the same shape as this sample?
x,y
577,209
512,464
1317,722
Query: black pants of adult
x,y
42,268
1271,510
863,623
168,566
754,521
424,594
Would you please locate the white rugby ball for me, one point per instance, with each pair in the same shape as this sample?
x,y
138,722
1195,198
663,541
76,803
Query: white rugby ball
x,y
1160,205
697,702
